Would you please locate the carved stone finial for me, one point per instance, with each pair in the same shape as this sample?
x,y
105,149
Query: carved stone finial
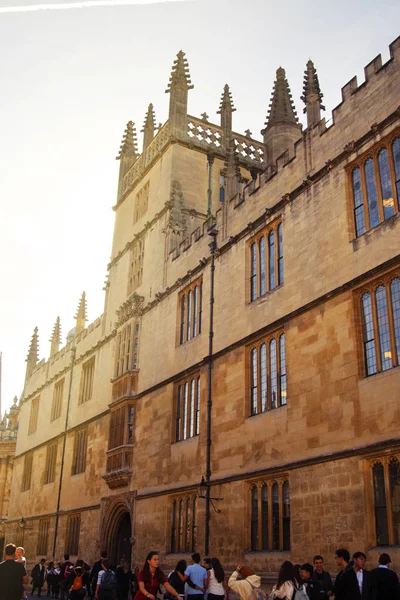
x,y
248,133
129,142
55,339
204,117
180,76
226,109
33,354
281,108
81,315
312,95
149,127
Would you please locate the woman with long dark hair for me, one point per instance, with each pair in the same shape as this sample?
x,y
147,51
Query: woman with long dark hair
x,y
177,578
287,582
216,581
151,577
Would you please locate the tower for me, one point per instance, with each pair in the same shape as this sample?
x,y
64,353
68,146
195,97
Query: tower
x,y
312,95
148,127
225,110
178,87
282,125
81,315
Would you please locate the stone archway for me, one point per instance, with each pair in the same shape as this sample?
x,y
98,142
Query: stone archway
x,y
117,529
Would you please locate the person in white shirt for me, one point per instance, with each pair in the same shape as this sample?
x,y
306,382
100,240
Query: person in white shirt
x,y
286,582
244,586
216,581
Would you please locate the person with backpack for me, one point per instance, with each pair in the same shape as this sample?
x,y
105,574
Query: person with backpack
x,y
306,573
249,586
65,572
106,586
94,573
288,587
77,582
151,577
216,581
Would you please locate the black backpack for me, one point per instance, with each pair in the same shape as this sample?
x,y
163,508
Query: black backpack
x,y
108,581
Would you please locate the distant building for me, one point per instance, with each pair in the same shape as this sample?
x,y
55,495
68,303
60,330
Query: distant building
x,y
305,415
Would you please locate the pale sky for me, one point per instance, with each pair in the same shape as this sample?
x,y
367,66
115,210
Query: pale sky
x,y
71,79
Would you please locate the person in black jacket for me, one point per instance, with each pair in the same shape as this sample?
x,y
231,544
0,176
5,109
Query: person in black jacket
x,y
386,581
342,557
306,574
95,571
177,578
357,583
322,578
38,576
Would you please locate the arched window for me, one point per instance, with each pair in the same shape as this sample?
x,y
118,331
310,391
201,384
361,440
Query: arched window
x,y
286,516
386,184
271,255
273,374
359,217
280,255
195,309
188,530
383,328
369,339
194,524
178,415
263,377
396,160
182,334
180,532
275,517
394,484
381,523
200,306
221,188
254,379
395,296
264,517
254,518
198,407
253,277
192,406
185,411
189,316
372,198
263,283
173,528
282,359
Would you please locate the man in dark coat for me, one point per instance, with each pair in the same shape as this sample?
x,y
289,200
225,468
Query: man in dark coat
x,y
386,581
38,574
95,571
357,583
321,578
342,557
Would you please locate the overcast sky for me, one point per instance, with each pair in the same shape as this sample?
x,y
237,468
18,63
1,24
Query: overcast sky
x,y
71,79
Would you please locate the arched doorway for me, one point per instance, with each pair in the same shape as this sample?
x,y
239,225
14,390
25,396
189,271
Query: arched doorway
x,y
123,534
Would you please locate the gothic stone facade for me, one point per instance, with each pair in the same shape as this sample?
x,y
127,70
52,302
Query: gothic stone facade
x,y
305,367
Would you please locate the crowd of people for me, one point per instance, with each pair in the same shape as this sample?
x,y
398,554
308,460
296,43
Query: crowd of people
x,y
207,581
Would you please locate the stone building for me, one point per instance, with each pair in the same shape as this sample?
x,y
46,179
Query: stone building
x,y
290,408
8,441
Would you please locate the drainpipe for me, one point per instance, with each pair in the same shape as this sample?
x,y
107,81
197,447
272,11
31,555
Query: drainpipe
x,y
213,247
73,354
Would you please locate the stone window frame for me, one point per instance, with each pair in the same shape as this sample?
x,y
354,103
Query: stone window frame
x,y
187,405
135,269
258,281
378,342
141,202
43,537
73,534
190,312
56,405
279,336
260,532
51,463
27,472
34,415
183,523
80,451
385,460
121,430
362,224
87,380
127,348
